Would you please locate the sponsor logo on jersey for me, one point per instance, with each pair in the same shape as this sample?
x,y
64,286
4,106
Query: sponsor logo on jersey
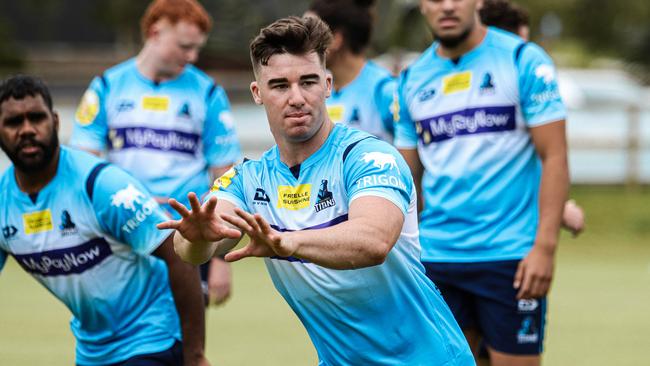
x,y
426,94
185,111
466,122
336,112
154,139
37,222
394,107
487,85
458,82
527,305
224,180
131,199
67,227
380,180
66,261
546,96
88,108
261,198
528,333
155,103
380,160
227,119
545,72
325,198
9,231
294,198
125,105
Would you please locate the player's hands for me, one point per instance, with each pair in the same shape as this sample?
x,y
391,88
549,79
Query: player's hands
x,y
265,242
219,281
534,273
573,218
201,224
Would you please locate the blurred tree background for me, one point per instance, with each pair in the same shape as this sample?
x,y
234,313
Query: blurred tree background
x,y
578,32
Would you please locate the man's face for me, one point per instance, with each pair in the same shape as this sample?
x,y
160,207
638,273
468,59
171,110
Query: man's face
x,y
451,20
28,132
175,46
293,90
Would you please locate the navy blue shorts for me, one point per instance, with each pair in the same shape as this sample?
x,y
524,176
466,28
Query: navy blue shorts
x,y
172,356
481,297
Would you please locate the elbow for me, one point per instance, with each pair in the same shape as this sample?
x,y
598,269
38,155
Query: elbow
x,y
380,252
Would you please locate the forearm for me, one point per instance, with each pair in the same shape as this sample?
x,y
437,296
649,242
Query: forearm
x,y
199,253
553,193
353,244
186,288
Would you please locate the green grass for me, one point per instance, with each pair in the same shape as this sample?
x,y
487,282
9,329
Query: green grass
x,y
598,308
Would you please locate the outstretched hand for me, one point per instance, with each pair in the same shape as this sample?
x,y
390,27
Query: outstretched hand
x,y
201,224
264,240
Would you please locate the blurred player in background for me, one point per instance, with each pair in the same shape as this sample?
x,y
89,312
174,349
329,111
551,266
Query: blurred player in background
x,y
363,92
511,17
333,212
85,230
479,110
162,119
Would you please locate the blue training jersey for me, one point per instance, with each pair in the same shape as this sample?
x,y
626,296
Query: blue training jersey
x,y
387,314
87,237
470,119
165,134
367,102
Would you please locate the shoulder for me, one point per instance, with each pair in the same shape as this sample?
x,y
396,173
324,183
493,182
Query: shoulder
x,y
201,80
5,179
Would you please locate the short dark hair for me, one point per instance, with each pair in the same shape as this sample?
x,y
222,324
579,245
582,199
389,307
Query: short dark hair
x,y
353,18
293,35
19,86
504,14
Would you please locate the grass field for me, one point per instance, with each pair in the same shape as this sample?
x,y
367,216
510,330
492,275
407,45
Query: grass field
x,y
599,309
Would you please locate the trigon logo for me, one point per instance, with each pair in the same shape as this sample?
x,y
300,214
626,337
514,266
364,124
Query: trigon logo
x,y
9,231
127,197
325,198
261,197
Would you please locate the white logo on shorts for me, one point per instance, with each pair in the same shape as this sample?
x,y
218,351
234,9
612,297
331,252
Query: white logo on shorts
x,y
527,305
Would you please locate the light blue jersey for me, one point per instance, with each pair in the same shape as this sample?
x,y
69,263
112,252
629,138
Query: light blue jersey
x,y
366,103
87,237
166,134
470,120
389,314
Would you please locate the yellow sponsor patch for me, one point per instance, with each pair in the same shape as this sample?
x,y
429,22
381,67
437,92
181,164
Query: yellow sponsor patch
x,y
394,107
336,112
294,198
457,82
37,222
88,108
158,104
224,181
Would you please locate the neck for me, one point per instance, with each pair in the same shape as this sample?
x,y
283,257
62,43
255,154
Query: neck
x,y
345,68
294,153
146,62
33,182
474,38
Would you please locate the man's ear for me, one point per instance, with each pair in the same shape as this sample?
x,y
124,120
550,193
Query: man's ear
x,y
328,84
255,91
55,118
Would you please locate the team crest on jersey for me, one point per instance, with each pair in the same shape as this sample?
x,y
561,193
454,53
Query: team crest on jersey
x,y
261,198
487,85
67,227
185,111
458,82
335,112
354,118
380,160
325,198
37,222
528,332
155,103
9,231
294,198
224,181
88,108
